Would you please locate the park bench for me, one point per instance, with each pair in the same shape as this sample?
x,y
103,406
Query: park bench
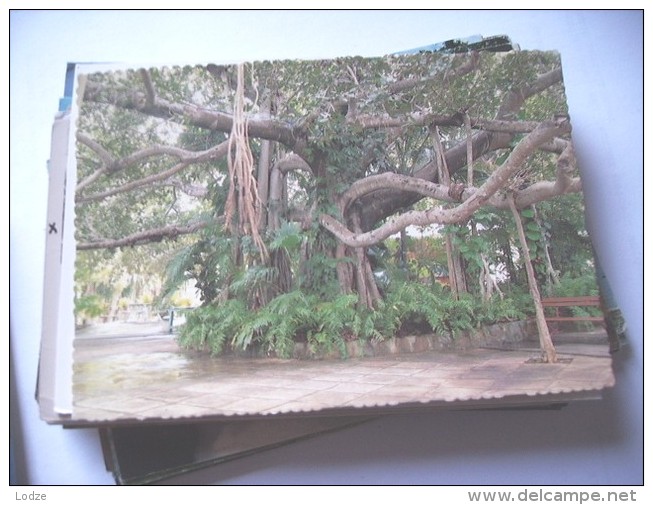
x,y
562,304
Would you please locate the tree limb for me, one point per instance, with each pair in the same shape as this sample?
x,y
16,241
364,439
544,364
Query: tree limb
x,y
106,158
391,180
482,142
194,190
292,162
144,237
261,127
149,87
460,213
189,158
473,59
544,190
517,96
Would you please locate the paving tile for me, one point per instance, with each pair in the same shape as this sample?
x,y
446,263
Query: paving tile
x,y
172,395
484,372
329,398
96,401
356,387
376,378
315,385
469,382
138,405
209,400
251,405
339,377
410,392
175,410
89,414
253,391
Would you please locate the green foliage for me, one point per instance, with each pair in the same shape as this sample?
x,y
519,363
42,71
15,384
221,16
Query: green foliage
x,y
209,327
585,285
90,306
249,281
289,237
413,302
515,307
334,323
327,325
318,276
275,326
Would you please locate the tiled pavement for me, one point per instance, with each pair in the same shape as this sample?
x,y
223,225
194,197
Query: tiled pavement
x,y
138,378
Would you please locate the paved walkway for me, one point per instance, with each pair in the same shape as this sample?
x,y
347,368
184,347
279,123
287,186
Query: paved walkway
x,y
146,377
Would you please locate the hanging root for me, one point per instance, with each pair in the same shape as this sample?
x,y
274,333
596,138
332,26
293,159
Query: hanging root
x,y
242,198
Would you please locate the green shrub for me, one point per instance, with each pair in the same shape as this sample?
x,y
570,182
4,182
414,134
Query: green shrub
x,y
585,285
90,306
512,307
276,326
209,327
327,325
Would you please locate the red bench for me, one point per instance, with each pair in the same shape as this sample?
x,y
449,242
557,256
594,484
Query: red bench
x,y
572,301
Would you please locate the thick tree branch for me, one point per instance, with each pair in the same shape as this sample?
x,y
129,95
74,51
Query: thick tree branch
x,y
259,127
460,213
188,157
545,190
194,190
503,125
105,157
517,96
377,207
348,104
144,237
421,118
391,180
111,164
292,162
471,64
149,87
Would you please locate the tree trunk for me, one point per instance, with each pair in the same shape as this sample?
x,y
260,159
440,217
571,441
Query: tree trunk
x,y
552,276
546,344
368,292
275,199
343,270
263,180
456,272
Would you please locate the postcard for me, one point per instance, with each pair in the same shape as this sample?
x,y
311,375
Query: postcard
x,y
354,236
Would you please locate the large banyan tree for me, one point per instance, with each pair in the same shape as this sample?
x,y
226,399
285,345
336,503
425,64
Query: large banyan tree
x,y
263,179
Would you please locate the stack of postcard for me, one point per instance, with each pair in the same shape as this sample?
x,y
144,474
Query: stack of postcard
x,y
284,248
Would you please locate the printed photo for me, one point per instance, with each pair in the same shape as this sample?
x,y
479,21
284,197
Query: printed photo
x,y
348,236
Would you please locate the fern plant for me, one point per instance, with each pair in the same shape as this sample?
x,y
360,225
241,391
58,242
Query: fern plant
x,y
454,316
276,325
210,327
335,322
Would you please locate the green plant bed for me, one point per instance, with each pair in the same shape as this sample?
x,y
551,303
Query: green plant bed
x,y
497,335
297,324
